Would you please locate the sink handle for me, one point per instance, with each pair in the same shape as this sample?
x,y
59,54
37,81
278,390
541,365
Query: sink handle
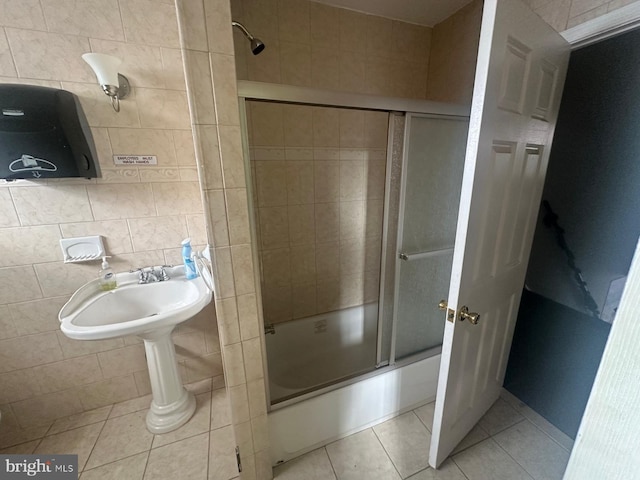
x,y
152,274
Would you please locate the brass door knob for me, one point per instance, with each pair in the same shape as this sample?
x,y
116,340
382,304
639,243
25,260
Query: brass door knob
x,y
442,305
471,316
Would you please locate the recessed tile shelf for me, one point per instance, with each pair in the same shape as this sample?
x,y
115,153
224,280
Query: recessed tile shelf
x,y
82,249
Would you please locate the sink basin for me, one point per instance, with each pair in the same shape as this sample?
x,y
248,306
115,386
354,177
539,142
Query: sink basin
x,y
132,308
151,311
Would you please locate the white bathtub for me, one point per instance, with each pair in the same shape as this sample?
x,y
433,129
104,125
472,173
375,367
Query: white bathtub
x,y
313,352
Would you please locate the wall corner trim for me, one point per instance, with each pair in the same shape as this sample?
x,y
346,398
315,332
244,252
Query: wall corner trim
x,y
613,23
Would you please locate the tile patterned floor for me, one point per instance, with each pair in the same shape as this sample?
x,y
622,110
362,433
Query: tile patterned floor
x,y
510,442
113,442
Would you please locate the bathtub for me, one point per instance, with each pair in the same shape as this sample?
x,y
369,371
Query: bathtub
x,y
311,355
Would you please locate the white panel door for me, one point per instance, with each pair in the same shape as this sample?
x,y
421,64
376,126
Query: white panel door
x,y
520,72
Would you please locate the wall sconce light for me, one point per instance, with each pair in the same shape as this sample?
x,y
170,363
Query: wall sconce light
x,y
115,85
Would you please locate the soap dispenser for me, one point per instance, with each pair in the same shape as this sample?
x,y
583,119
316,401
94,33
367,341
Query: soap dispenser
x,y
189,265
106,276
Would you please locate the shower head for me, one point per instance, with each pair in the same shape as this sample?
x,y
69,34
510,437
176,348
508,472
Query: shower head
x,y
256,44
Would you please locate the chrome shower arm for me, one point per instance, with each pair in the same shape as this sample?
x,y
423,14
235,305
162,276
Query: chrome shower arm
x,y
242,29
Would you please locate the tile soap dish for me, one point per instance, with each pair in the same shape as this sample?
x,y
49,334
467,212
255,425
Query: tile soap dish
x,y
82,249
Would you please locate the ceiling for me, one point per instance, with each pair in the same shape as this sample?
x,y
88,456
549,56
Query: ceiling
x,y
421,12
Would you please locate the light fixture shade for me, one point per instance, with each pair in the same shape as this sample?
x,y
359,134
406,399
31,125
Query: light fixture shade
x,y
104,66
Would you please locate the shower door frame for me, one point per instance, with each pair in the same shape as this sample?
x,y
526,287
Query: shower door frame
x,y
289,94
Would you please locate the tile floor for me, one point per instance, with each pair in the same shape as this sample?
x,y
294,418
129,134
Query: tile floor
x,y
113,442
510,442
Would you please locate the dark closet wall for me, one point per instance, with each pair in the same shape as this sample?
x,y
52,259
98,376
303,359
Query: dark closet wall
x,y
593,184
593,181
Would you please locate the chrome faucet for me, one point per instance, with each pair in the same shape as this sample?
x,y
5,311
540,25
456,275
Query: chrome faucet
x,y
152,274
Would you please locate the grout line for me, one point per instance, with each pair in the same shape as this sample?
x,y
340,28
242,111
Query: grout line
x,y
209,430
523,419
426,426
52,423
36,447
512,458
459,467
473,444
535,418
94,444
335,474
72,429
386,452
146,463
556,440
549,436
112,462
452,454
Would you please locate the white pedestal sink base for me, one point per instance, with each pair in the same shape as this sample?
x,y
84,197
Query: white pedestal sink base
x,y
163,419
172,406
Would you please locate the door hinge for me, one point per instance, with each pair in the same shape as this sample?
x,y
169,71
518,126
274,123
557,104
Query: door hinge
x,y
238,459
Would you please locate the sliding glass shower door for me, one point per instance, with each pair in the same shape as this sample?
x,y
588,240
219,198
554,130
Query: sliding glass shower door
x,y
430,192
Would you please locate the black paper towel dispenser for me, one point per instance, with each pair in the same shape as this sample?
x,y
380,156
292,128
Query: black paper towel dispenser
x,y
44,134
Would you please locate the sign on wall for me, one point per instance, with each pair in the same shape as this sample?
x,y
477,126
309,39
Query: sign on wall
x,y
135,159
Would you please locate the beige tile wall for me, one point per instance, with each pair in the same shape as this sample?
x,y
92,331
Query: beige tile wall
x,y
316,45
142,213
206,38
454,48
319,190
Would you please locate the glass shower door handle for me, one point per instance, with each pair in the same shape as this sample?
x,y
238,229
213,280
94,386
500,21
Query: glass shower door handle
x,y
422,255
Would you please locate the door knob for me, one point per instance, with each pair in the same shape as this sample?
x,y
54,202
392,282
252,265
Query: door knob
x,y
471,316
463,315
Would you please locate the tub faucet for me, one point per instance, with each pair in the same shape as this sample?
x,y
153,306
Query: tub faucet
x,y
152,274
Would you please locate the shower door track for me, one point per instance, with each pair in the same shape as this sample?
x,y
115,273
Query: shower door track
x,y
329,98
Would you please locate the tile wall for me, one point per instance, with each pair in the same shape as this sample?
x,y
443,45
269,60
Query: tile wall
x,y
454,48
142,213
207,45
319,178
316,45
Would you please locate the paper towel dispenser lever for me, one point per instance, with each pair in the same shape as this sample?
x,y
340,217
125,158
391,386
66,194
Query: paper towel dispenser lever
x,y
44,134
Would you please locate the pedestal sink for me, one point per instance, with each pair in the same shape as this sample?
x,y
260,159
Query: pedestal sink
x,y
151,311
